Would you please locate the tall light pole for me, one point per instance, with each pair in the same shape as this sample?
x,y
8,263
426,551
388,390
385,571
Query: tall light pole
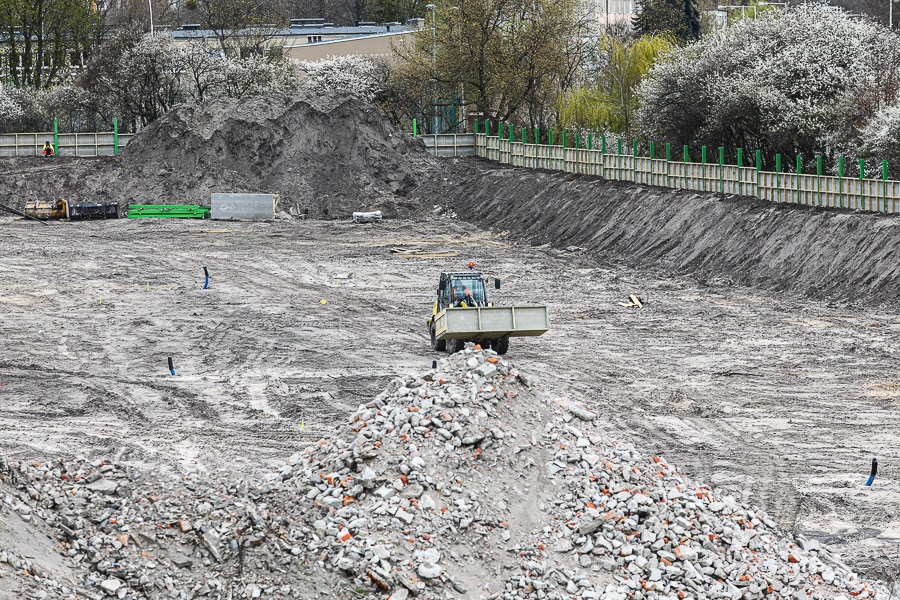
x,y
433,10
150,4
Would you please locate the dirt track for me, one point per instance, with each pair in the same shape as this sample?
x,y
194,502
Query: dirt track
x,y
784,400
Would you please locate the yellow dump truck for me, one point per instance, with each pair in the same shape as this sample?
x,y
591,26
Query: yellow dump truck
x,y
462,313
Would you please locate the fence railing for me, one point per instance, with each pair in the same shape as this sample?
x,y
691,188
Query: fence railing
x,y
859,193
450,144
66,144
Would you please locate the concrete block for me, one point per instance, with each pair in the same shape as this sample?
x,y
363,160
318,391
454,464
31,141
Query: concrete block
x,y
251,207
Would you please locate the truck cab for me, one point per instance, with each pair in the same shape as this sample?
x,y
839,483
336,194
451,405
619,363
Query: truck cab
x,y
457,290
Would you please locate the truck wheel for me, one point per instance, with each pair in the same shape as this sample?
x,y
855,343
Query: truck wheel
x,y
501,346
454,346
436,344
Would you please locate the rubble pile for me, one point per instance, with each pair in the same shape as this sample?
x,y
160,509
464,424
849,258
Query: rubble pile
x,y
464,481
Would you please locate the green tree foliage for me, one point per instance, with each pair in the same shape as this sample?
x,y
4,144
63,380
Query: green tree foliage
x,y
611,100
40,37
678,18
510,58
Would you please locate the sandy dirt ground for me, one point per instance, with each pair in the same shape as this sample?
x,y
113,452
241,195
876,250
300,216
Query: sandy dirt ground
x,y
783,400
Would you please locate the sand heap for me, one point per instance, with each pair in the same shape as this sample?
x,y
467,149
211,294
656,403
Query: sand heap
x,y
464,481
324,159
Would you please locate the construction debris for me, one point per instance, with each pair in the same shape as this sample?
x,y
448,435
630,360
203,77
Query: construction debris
x,y
420,253
174,211
367,217
463,480
633,302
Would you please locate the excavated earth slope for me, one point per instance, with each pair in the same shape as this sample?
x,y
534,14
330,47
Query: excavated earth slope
x,y
462,481
836,255
326,160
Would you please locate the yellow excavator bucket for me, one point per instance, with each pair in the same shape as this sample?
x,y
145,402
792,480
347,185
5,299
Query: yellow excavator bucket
x,y
46,209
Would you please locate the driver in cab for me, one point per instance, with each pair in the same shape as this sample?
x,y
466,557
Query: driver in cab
x,y
462,295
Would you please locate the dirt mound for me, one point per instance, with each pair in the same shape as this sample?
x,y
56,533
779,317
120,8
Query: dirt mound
x,y
324,161
821,253
464,480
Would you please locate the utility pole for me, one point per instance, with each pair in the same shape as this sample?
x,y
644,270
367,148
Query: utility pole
x,y
433,10
150,4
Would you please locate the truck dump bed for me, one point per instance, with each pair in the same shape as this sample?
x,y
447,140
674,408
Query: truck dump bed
x,y
491,322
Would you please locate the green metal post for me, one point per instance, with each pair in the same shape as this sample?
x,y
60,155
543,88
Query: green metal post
x,y
862,168
759,160
841,182
116,134
56,137
476,125
687,159
577,140
721,169
537,136
740,164
524,135
884,186
818,181
652,150
799,171
634,149
620,145
777,178
740,157
550,137
590,141
603,142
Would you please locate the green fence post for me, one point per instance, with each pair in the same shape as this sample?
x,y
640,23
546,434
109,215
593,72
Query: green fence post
x,y
799,172
652,150
818,181
116,135
777,178
577,140
884,186
740,164
687,159
634,147
590,141
840,182
740,157
550,137
56,137
537,136
620,145
524,135
634,151
603,142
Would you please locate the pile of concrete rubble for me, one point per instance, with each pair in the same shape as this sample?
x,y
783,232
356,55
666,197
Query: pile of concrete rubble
x,y
464,481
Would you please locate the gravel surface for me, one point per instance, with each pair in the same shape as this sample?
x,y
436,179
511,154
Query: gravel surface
x,y
780,402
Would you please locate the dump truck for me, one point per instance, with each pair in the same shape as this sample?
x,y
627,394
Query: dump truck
x,y
462,313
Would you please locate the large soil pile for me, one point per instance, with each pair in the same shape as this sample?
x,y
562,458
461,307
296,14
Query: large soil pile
x,y
463,481
327,161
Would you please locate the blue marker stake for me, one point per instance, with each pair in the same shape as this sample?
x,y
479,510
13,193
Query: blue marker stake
x,y
206,283
171,366
874,472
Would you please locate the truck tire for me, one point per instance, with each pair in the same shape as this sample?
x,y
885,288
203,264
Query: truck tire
x,y
436,344
454,346
501,345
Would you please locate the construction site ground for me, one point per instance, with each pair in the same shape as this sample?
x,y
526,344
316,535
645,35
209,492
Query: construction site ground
x,y
781,399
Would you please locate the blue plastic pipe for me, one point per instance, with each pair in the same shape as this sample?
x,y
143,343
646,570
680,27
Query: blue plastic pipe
x,y
171,366
206,283
874,472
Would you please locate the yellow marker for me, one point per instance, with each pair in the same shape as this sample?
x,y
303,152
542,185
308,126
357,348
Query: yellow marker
x,y
101,299
302,422
323,302
148,286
